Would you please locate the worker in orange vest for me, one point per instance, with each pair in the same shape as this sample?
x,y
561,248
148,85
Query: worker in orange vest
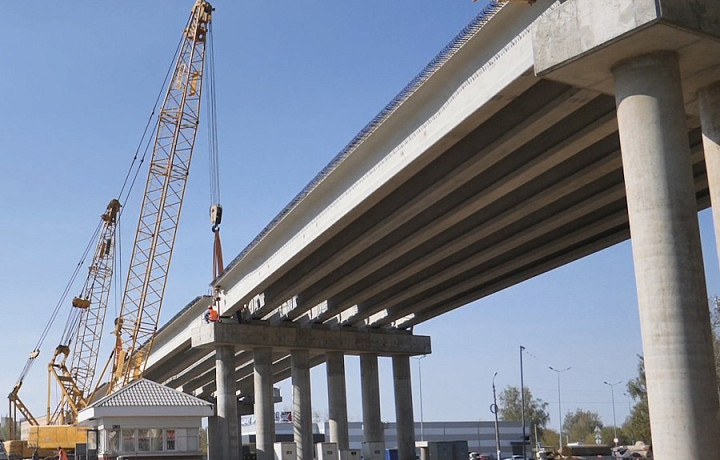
x,y
211,315
61,455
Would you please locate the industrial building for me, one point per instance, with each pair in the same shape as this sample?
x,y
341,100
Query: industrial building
x,y
480,435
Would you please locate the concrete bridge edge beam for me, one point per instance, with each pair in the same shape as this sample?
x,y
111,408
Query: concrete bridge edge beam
x,y
672,297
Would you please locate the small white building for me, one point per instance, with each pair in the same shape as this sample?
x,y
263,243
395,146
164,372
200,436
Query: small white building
x,y
147,420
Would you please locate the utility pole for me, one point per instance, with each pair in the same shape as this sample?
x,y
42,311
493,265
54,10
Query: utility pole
x,y
612,395
494,410
522,400
558,371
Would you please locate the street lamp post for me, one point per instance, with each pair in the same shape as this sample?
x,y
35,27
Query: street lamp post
x,y
612,395
422,431
558,371
522,400
494,410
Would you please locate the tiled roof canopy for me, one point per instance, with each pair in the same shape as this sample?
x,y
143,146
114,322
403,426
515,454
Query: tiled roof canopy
x,y
148,393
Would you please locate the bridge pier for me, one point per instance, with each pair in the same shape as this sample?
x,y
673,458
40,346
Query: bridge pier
x,y
337,399
310,346
405,420
264,410
672,297
223,429
654,56
373,431
302,405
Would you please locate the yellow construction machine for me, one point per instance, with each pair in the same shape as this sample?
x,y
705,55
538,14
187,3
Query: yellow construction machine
x,y
137,322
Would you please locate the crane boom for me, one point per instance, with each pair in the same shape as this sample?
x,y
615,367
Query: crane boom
x,y
162,203
75,381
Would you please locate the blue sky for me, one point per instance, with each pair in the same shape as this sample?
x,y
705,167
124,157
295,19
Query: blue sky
x,y
295,82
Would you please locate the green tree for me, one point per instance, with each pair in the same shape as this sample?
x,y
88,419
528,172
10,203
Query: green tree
x,y
608,435
204,440
550,438
536,415
580,426
637,425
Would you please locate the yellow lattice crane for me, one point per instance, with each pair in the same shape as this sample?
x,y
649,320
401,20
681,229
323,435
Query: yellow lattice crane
x,y
81,335
84,327
164,190
136,324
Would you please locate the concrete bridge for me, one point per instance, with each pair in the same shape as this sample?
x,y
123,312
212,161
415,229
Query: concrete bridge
x,y
542,134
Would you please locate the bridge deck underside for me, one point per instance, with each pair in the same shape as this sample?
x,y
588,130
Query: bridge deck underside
x,y
536,184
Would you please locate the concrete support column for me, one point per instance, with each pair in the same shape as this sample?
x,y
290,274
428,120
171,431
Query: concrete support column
x,y
404,408
373,432
710,117
302,405
215,442
337,399
672,297
264,410
226,401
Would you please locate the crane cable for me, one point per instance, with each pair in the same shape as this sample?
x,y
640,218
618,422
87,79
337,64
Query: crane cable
x,y
36,351
133,171
215,206
212,122
73,321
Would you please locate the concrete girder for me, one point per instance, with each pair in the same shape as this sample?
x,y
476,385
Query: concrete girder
x,y
169,338
205,375
520,273
570,185
499,189
493,102
176,369
242,371
553,223
244,374
602,225
548,110
207,364
566,100
410,268
281,371
519,276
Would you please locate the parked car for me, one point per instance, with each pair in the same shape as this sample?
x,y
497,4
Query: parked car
x,y
481,456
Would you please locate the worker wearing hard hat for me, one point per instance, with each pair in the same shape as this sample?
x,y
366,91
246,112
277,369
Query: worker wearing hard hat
x,y
211,315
